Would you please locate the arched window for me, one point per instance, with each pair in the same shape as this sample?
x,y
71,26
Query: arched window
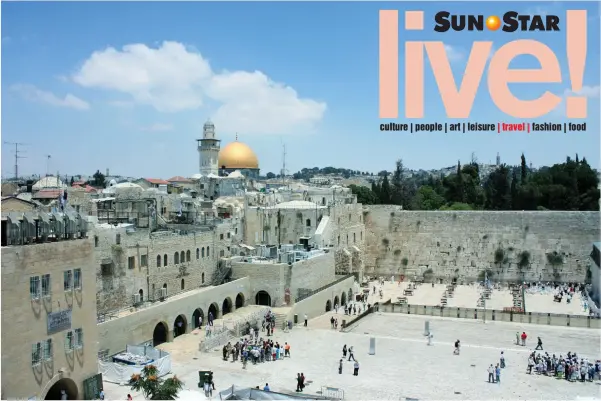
x,y
203,278
203,251
361,235
339,240
208,251
188,255
197,253
354,238
176,258
165,260
308,223
182,257
183,284
158,260
141,293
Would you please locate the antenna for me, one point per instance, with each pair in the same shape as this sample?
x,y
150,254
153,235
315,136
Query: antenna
x,y
283,173
48,157
17,156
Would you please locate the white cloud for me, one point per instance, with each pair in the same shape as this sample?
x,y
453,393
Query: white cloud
x,y
157,128
453,53
586,91
174,78
33,94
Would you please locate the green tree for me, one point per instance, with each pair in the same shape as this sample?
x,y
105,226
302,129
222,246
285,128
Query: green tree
x,y
427,198
523,169
153,387
364,195
98,179
497,189
385,192
457,206
270,175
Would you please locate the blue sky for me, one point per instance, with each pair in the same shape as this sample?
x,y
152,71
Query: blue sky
x,y
302,73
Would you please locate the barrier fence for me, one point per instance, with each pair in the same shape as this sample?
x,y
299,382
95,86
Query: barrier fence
x,y
550,319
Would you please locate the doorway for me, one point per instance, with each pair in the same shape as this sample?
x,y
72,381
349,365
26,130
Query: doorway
x,y
65,384
159,335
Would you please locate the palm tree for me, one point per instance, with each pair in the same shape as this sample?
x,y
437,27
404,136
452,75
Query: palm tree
x,y
153,387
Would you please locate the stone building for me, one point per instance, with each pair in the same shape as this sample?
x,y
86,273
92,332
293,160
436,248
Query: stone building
x,y
208,150
49,333
464,245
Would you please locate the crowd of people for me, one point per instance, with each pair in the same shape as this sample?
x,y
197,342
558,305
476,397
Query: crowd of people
x,y
570,367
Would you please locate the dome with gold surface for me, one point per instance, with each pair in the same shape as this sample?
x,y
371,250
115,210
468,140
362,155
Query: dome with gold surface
x,y
237,155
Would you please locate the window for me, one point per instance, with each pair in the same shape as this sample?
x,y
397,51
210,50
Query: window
x,y
131,262
165,260
118,239
323,201
69,341
46,289
176,258
221,253
78,338
36,354
197,253
143,260
182,257
350,217
203,278
34,287
308,223
229,235
203,252
96,241
236,231
208,253
220,236
187,255
68,280
47,349
158,260
77,279
339,240
141,294
106,269
183,284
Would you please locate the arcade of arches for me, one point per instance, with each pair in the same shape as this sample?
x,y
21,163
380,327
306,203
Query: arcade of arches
x,y
66,384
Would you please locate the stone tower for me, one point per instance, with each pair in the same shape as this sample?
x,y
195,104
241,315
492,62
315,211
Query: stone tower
x,y
208,150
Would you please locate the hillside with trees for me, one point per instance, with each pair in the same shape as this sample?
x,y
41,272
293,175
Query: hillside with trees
x,y
572,185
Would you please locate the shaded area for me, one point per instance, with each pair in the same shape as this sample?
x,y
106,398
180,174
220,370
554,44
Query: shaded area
x,y
239,300
198,313
179,326
263,298
328,305
159,335
66,385
226,307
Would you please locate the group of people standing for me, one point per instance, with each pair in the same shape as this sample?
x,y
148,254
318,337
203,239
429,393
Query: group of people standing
x,y
570,368
351,355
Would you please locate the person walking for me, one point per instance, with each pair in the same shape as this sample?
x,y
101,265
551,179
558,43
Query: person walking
x,y
306,318
299,383
344,351
502,360
340,367
350,354
524,337
356,368
430,335
539,345
498,373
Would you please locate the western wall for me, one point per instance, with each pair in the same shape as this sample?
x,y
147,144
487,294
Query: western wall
x,y
462,245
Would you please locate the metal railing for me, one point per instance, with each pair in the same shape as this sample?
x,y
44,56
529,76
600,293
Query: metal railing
x,y
309,294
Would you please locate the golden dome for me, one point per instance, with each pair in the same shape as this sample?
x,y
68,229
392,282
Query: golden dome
x,y
238,155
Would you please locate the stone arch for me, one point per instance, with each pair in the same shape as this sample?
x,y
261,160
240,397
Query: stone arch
x,y
141,294
308,222
239,300
182,284
158,260
198,313
203,251
328,305
165,260
62,383
214,310
182,257
208,251
160,334
203,278
197,253
176,258
226,307
188,255
263,298
336,301
180,325
343,299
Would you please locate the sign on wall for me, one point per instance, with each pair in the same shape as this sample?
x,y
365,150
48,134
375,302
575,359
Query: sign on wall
x,y
59,321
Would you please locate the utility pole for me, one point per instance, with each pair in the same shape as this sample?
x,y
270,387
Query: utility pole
x,y
48,157
17,156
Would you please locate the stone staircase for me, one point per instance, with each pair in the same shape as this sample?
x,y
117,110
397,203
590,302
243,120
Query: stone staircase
x,y
281,316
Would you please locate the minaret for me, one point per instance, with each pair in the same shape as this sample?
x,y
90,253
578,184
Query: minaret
x,y
208,150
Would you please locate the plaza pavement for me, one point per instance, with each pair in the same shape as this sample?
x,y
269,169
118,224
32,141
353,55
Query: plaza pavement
x,y
403,366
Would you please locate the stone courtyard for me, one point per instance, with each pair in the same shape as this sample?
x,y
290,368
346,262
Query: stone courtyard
x,y
403,366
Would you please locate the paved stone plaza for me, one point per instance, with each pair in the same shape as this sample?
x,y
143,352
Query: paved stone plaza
x,y
404,366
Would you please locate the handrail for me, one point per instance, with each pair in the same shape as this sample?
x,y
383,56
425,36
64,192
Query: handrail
x,y
309,294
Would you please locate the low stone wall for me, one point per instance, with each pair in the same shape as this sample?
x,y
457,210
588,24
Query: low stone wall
x,y
315,305
550,319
